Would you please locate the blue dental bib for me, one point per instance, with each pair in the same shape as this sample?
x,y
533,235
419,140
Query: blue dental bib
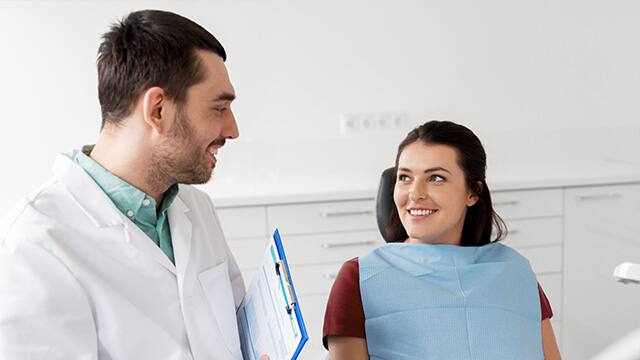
x,y
450,302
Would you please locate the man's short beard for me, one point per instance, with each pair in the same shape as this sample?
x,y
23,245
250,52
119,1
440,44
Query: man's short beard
x,y
175,160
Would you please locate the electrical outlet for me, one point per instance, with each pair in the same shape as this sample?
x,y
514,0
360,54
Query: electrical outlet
x,y
399,121
368,123
348,124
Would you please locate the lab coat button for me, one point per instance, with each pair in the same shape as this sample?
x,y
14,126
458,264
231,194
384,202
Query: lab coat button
x,y
130,213
146,202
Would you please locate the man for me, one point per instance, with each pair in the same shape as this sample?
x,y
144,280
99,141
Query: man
x,y
111,258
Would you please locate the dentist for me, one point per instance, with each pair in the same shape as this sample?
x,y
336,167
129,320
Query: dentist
x,y
117,256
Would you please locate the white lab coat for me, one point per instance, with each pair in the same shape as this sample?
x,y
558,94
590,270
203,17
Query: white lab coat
x,y
79,280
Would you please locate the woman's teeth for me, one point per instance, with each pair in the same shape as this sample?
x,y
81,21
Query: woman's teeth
x,y
421,212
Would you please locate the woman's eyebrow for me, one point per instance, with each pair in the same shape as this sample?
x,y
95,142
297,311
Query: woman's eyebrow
x,y
437,168
429,170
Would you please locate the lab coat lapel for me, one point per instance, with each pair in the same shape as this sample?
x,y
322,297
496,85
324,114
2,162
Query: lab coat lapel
x,y
101,210
181,231
145,245
86,193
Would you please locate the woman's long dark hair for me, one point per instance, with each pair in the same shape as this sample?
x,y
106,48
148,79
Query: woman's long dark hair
x,y
481,219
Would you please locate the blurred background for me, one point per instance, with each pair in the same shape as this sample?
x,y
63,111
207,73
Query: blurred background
x,y
326,91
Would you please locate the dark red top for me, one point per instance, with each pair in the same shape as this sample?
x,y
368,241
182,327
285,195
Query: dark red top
x,y
345,314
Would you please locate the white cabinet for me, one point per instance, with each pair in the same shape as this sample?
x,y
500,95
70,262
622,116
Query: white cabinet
x,y
602,229
318,238
243,222
323,217
528,203
313,307
534,220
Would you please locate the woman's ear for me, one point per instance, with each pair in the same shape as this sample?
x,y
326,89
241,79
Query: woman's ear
x,y
152,106
474,196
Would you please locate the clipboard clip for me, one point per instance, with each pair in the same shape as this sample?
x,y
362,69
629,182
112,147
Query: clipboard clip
x,y
281,271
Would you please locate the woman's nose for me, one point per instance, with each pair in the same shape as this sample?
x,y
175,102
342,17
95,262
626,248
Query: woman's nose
x,y
417,193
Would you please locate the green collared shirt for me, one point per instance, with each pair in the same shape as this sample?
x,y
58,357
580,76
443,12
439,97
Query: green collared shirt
x,y
135,204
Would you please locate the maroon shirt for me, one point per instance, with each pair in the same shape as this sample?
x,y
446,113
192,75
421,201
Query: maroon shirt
x,y
345,314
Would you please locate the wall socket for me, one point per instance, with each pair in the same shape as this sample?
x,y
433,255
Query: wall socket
x,y
367,123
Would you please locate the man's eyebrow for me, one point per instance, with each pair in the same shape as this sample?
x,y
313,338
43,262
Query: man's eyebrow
x,y
225,96
429,170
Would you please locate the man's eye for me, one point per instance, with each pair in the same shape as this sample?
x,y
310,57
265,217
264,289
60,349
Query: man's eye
x,y
220,109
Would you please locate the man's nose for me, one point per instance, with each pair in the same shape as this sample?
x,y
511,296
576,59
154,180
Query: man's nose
x,y
231,127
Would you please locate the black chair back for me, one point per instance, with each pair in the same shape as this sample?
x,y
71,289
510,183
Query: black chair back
x,y
384,199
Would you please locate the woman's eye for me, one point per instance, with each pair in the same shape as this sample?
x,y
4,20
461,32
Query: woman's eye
x,y
403,178
436,178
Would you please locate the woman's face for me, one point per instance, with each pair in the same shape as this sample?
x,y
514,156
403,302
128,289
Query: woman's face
x,y
431,195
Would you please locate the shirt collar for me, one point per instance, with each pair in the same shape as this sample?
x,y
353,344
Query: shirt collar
x,y
131,201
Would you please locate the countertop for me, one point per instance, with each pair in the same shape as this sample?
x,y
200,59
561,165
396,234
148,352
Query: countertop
x,y
333,170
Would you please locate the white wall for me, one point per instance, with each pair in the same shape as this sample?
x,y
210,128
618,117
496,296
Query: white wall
x,y
497,66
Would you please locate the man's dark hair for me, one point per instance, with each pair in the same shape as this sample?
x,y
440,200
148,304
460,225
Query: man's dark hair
x,y
481,220
150,48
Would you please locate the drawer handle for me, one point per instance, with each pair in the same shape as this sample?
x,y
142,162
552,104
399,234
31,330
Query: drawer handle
x,y
347,244
506,203
330,276
609,196
328,214
513,232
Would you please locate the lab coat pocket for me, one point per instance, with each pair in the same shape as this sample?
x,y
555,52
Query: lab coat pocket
x,y
217,288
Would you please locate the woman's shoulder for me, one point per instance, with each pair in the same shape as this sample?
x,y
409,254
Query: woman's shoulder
x,y
344,314
351,263
349,271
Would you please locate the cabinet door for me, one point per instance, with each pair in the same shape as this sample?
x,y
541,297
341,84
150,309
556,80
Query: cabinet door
x,y
322,217
312,307
528,204
243,222
602,230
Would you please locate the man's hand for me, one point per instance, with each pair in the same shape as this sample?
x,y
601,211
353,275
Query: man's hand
x,y
264,357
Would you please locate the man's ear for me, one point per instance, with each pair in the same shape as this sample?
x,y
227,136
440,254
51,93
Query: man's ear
x,y
153,101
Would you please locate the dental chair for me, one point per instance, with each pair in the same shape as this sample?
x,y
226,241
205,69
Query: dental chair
x,y
384,199
628,347
384,204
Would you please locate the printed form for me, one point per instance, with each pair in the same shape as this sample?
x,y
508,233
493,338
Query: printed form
x,y
269,317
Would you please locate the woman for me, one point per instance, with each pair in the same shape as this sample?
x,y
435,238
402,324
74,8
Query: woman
x,y
441,288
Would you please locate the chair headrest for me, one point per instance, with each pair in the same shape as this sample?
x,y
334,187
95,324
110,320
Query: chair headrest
x,y
384,199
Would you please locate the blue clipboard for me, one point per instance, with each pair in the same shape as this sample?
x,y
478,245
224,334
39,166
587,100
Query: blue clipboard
x,y
271,297
291,292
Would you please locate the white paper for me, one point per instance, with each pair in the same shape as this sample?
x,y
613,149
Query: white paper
x,y
264,324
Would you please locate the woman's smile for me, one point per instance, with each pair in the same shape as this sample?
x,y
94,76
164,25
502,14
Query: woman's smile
x,y
420,213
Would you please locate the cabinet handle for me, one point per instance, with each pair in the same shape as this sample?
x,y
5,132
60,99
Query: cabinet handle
x,y
328,214
609,196
513,232
347,244
330,276
506,203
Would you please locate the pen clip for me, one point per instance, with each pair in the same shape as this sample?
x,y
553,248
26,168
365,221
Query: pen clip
x,y
281,271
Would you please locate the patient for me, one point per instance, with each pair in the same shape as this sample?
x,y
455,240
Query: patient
x,y
441,288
